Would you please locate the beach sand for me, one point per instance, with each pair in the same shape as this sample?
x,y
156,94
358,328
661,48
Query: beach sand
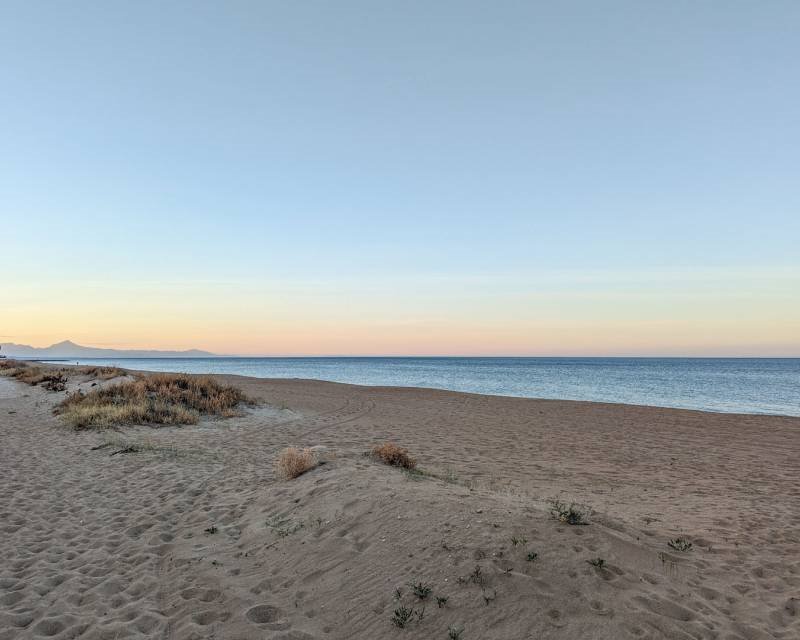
x,y
197,537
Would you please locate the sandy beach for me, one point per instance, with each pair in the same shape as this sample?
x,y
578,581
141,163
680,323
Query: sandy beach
x,y
196,536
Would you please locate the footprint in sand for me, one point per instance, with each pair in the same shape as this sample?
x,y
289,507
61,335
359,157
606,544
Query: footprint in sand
x,y
555,618
204,595
136,531
10,599
666,608
210,616
597,607
49,627
269,616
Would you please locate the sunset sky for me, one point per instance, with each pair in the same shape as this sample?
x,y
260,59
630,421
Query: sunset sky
x,y
454,178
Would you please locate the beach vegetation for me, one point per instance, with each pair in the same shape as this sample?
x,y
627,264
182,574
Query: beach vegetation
x,y
454,632
394,455
161,398
293,462
402,616
571,513
597,563
414,475
441,601
54,381
50,379
421,589
680,544
103,373
9,366
532,555
477,576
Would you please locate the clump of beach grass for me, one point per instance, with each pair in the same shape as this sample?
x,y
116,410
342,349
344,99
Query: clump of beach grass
x,y
394,455
103,373
162,398
50,379
8,366
572,513
680,544
293,462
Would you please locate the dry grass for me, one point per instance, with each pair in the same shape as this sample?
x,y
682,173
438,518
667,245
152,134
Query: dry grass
x,y
5,365
14,368
103,373
162,398
295,462
394,455
50,379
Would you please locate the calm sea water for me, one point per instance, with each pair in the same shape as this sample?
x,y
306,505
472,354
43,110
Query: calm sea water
x,y
743,385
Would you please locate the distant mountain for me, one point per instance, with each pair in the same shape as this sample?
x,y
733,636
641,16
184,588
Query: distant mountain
x,y
68,349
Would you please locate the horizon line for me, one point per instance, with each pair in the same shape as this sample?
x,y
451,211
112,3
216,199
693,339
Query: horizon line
x,y
406,356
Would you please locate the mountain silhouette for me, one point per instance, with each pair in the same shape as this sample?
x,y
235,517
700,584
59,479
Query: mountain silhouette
x,y
68,349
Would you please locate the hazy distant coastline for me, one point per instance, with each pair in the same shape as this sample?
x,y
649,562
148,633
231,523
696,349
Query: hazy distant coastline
x,y
68,349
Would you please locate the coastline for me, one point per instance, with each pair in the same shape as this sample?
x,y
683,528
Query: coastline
x,y
715,385
363,530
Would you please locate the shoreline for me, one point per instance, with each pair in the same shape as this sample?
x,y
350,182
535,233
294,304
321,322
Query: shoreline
x,y
390,388
442,389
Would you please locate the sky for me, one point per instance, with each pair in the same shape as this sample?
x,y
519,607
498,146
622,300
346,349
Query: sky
x,y
402,178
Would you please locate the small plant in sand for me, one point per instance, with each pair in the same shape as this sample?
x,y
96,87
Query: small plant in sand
x,y
293,462
597,563
211,530
454,632
394,455
477,576
402,616
413,474
162,398
450,476
441,601
680,544
521,541
420,589
572,513
489,597
532,555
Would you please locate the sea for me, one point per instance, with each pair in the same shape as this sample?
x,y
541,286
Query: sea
x,y
734,385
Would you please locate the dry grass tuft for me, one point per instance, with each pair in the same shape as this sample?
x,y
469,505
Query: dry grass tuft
x,y
103,373
394,455
295,462
162,398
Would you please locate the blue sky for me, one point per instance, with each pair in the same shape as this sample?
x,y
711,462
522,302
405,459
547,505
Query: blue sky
x,y
273,155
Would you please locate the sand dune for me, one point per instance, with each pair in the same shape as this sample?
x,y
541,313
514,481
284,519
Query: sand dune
x,y
195,536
